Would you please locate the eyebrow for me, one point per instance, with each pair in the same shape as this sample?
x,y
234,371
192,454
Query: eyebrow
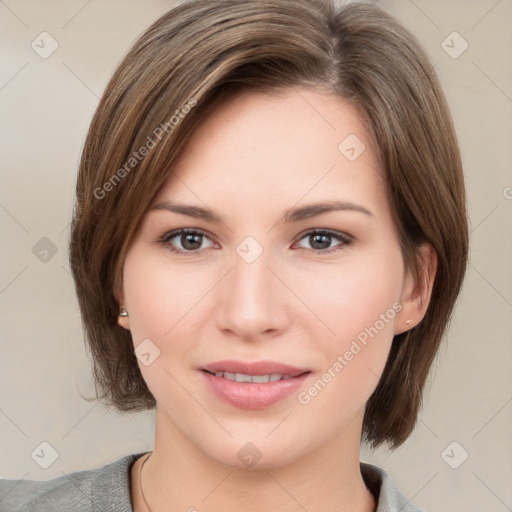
x,y
289,216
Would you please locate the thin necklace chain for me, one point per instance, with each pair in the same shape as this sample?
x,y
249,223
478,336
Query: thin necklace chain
x,y
140,482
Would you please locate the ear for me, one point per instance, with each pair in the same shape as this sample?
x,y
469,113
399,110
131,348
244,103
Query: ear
x,y
416,294
123,321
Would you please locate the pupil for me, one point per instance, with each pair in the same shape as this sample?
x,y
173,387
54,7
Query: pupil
x,y
324,239
188,237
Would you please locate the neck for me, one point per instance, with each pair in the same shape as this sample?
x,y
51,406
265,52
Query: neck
x,y
178,476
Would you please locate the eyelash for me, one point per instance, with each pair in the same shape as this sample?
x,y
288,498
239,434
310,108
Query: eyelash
x,y
345,239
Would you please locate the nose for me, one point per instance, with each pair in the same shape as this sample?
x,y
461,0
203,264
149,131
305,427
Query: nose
x,y
253,302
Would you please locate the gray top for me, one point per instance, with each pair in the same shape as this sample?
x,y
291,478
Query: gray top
x,y
107,489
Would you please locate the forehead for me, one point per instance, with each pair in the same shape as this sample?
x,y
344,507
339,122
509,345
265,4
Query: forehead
x,y
257,148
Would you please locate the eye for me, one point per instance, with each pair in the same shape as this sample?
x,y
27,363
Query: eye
x,y
321,239
190,241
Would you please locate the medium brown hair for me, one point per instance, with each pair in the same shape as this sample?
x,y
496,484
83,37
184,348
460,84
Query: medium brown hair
x,y
202,51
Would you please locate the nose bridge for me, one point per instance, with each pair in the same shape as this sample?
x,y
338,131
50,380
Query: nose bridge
x,y
254,301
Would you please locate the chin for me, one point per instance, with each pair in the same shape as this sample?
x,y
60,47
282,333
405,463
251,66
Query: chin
x,y
250,453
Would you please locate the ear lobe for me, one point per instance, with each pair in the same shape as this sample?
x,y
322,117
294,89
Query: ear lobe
x,y
416,294
122,320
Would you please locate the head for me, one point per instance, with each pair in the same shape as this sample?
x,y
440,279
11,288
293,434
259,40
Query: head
x,y
249,110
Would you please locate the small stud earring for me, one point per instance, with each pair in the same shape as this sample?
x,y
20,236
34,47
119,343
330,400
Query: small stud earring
x,y
407,321
123,311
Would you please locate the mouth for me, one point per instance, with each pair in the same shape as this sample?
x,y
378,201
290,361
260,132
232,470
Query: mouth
x,y
255,385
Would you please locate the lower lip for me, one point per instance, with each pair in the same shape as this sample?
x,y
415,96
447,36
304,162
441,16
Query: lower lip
x,y
251,395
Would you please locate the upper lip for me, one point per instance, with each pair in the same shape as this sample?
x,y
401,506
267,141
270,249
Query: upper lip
x,y
254,368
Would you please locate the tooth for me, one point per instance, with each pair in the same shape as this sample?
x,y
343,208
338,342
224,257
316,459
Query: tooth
x,y
260,378
243,377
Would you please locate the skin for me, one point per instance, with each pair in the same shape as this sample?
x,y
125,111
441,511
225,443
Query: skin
x,y
255,156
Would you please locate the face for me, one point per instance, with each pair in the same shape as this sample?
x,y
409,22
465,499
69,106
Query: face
x,y
312,294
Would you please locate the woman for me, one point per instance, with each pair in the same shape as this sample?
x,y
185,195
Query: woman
x,y
269,237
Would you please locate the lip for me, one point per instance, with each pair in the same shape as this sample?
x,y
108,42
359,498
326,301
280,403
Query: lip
x,y
251,395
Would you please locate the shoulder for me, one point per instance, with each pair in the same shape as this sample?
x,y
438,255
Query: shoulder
x,y
390,498
94,490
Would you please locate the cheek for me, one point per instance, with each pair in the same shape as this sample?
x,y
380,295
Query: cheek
x,y
357,303
351,297
159,300
159,304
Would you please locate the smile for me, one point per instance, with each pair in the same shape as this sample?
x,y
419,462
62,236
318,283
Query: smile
x,y
253,385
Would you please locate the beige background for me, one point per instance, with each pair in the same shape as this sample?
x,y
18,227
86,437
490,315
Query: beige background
x,y
46,105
